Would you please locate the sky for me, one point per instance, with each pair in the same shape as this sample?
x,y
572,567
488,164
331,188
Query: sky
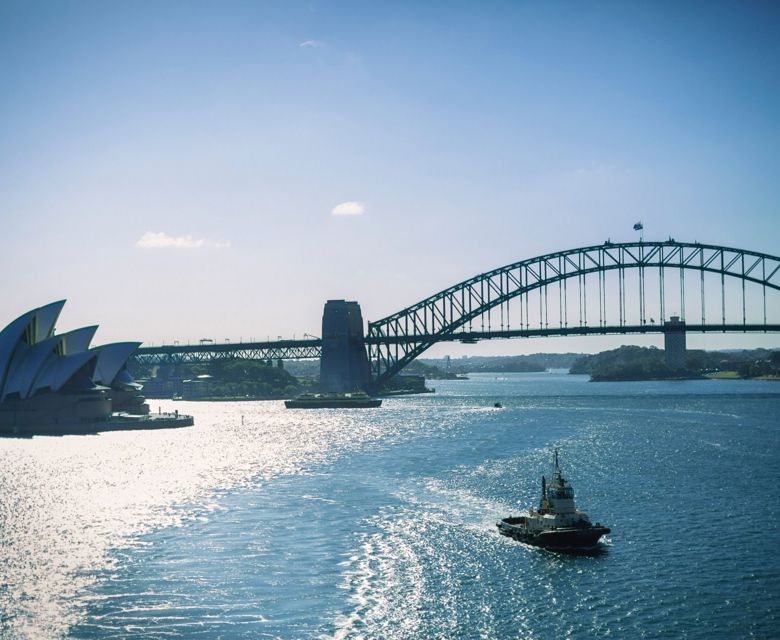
x,y
182,170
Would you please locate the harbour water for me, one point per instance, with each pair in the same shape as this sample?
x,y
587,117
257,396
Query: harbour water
x,y
264,522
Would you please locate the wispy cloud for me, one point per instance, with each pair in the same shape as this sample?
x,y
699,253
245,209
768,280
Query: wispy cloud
x,y
350,208
313,44
161,240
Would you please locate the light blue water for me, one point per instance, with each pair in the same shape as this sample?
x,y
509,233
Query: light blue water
x,y
380,524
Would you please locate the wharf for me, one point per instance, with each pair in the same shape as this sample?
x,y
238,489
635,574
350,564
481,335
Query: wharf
x,y
117,422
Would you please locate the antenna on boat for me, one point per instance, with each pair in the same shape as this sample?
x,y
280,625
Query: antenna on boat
x,y
557,477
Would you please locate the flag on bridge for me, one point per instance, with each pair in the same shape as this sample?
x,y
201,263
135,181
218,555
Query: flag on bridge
x,y
638,226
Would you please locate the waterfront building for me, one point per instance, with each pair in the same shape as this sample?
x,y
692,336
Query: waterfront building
x,y
57,379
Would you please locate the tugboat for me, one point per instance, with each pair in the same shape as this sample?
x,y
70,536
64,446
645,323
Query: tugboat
x,y
557,524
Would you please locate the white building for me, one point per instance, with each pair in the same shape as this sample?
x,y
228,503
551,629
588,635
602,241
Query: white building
x,y
48,378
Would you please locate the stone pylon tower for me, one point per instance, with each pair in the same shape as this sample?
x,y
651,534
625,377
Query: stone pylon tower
x,y
344,362
674,343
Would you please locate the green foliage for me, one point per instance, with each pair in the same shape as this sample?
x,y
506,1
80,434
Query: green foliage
x,y
511,364
759,368
641,363
625,363
428,371
404,383
505,364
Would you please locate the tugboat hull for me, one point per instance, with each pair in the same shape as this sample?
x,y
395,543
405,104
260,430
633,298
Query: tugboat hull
x,y
561,539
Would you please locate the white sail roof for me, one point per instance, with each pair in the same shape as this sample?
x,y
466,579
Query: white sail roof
x,y
45,319
41,356
22,373
77,340
33,359
25,331
61,370
111,359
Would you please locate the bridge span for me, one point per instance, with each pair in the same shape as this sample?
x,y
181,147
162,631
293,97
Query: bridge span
x,y
312,349
614,288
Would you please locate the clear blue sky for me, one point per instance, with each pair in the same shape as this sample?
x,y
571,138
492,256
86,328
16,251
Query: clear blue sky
x,y
172,168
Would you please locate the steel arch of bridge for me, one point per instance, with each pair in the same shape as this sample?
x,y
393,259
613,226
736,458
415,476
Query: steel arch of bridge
x,y
397,339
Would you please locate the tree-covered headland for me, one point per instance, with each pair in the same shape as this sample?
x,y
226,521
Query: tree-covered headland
x,y
649,363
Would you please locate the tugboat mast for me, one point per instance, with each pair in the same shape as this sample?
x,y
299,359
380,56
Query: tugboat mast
x,y
556,468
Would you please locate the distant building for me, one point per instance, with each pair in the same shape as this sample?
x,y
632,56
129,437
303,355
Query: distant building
x,y
48,378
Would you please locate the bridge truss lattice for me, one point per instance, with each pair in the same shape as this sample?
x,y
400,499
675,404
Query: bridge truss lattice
x,y
623,277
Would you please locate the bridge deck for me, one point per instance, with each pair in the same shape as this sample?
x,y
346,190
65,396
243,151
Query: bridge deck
x,y
306,349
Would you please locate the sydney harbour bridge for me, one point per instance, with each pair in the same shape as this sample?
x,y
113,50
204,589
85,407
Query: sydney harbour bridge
x,y
640,287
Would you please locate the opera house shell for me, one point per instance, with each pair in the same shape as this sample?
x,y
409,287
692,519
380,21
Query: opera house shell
x,y
56,383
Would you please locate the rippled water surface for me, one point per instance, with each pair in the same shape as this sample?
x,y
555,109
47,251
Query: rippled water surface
x,y
262,522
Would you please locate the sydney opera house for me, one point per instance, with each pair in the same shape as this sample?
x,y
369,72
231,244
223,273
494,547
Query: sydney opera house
x,y
56,383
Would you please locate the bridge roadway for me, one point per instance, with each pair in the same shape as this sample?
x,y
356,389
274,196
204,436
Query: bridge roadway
x,y
312,348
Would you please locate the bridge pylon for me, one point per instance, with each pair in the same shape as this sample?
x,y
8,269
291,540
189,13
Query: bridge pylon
x,y
674,343
344,362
